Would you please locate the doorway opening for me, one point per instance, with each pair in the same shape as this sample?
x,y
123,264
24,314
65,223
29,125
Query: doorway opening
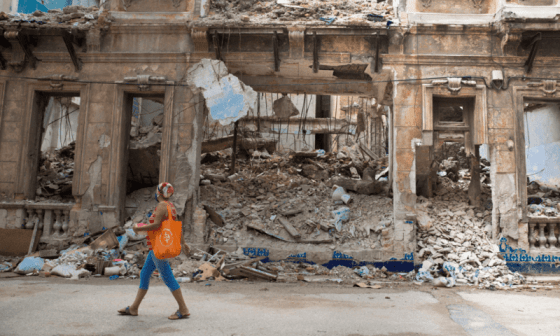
x,y
144,153
58,117
541,121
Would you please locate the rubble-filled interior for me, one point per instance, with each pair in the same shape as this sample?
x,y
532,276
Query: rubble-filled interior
x,y
354,12
58,142
144,150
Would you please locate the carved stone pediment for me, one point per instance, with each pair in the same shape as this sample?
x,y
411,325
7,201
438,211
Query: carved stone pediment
x,y
548,87
454,84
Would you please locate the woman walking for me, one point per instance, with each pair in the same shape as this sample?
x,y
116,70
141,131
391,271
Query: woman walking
x,y
163,193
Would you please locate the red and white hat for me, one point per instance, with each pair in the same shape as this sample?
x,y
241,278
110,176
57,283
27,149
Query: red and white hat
x,y
165,190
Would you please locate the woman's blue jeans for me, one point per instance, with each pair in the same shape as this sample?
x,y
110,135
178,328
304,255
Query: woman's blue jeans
x,y
164,269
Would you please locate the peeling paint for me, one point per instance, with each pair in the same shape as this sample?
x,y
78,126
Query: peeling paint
x,y
227,98
104,141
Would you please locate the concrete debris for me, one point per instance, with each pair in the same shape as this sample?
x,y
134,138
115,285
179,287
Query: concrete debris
x,y
282,198
54,179
452,240
79,18
284,108
321,13
227,98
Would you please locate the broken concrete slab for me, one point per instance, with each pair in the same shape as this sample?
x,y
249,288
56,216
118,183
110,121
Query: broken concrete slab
x,y
284,108
227,98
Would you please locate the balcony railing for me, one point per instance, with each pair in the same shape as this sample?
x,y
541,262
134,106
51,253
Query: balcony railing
x,y
52,218
544,233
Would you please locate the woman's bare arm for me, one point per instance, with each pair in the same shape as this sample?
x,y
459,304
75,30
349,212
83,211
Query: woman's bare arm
x,y
161,211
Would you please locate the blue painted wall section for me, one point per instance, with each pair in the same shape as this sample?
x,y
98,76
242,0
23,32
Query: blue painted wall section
x,y
518,260
403,265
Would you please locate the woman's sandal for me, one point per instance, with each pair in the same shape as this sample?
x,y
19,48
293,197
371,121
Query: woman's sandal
x,y
178,316
126,312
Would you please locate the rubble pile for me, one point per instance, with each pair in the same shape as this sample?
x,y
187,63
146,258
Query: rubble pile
x,y
56,170
78,17
355,12
453,241
542,200
289,197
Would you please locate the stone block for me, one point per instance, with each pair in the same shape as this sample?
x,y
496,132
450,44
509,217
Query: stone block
x,y
523,241
11,132
505,161
16,90
102,93
500,135
13,110
404,158
501,118
9,151
8,172
7,188
410,116
408,95
101,112
399,235
405,135
3,219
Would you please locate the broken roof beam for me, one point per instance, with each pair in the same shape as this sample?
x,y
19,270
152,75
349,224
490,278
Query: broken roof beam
x,y
275,84
307,125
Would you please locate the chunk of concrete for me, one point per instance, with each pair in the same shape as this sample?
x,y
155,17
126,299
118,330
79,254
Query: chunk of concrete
x,y
227,98
284,108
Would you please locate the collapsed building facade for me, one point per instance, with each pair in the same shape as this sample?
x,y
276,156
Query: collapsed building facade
x,y
461,71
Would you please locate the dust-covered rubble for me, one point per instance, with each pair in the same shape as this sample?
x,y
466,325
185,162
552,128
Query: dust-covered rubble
x,y
333,13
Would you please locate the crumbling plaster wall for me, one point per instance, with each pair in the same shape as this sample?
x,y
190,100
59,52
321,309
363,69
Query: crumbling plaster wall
x,y
99,184
453,6
407,121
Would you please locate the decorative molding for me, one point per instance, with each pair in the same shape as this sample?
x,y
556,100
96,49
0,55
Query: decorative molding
x,y
21,51
454,84
176,3
126,4
548,87
426,3
199,36
477,4
57,81
296,36
510,43
144,82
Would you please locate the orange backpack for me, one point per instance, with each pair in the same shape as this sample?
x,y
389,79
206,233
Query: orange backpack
x,y
166,241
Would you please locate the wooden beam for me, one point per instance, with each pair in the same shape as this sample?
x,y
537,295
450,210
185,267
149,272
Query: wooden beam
x,y
276,52
275,84
68,41
534,43
227,142
315,53
307,126
217,47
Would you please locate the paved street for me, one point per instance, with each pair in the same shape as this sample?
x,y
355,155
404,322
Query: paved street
x,y
49,306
